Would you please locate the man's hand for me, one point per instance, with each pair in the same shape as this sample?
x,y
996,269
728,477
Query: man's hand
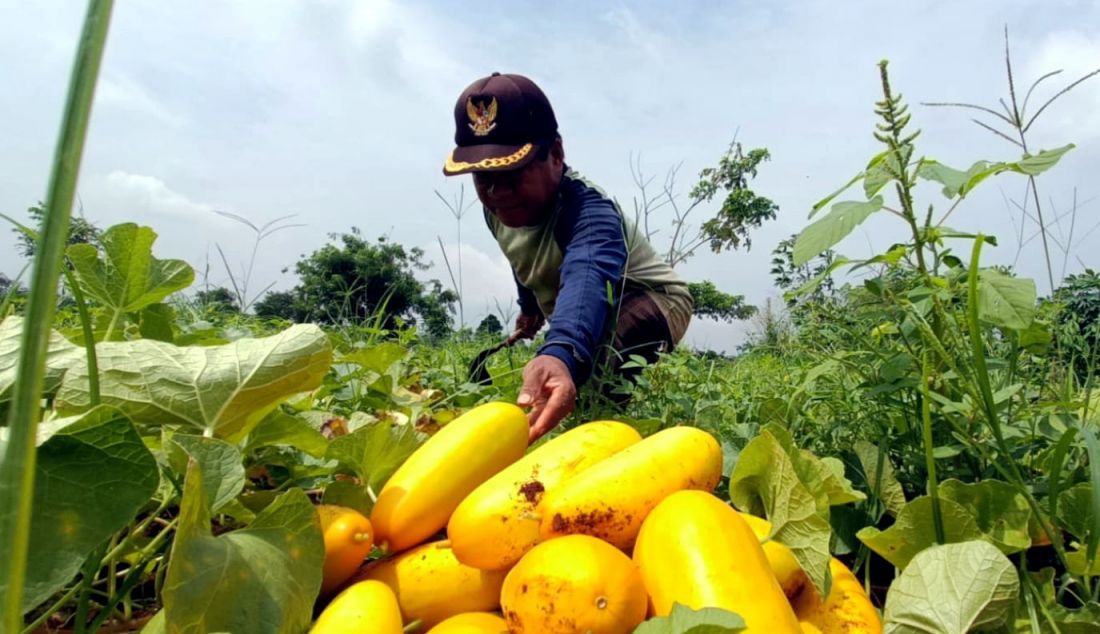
x,y
548,389
529,325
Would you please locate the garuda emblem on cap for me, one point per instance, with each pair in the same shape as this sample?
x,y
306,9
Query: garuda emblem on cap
x,y
481,116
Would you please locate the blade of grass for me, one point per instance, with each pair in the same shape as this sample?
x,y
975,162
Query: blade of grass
x,y
1094,476
18,461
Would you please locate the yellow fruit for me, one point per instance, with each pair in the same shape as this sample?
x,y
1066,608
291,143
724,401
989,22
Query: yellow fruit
x,y
610,499
573,585
784,566
808,628
419,498
497,523
847,610
348,540
696,550
431,585
472,623
367,607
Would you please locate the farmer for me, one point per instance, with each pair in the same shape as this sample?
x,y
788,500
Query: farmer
x,y
577,260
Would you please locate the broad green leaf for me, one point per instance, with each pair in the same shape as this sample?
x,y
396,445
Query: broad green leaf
x,y
822,476
1037,337
1075,511
222,390
60,356
684,620
349,494
1080,564
953,589
127,278
280,428
954,181
764,482
375,451
832,228
883,483
156,322
1000,511
1008,302
1036,164
262,579
878,173
819,205
914,530
156,625
816,281
91,478
222,466
378,357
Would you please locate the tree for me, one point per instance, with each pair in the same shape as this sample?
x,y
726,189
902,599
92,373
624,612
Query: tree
x,y
1078,319
490,326
713,303
220,299
80,230
741,210
278,305
354,281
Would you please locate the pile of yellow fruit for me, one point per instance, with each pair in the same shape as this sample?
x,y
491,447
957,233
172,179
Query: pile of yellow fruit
x,y
595,531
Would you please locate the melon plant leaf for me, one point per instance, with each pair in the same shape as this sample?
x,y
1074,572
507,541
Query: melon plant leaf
x,y
884,484
221,463
261,579
1000,511
953,589
378,357
684,620
914,530
375,451
765,483
91,478
61,355
832,228
1008,302
280,428
221,390
1075,511
127,278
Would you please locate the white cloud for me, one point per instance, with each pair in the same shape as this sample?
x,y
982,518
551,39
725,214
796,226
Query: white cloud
x,y
124,93
487,283
153,195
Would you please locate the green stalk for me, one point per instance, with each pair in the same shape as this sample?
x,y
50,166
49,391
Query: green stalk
x,y
17,466
929,459
982,376
89,336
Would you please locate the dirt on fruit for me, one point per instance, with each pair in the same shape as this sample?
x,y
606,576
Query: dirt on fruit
x,y
532,491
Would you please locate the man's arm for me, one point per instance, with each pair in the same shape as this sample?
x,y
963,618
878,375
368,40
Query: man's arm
x,y
595,257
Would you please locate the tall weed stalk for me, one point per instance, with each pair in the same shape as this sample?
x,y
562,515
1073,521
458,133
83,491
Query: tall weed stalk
x,y
17,468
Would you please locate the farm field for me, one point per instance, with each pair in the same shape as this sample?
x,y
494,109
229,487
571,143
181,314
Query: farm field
x,y
908,444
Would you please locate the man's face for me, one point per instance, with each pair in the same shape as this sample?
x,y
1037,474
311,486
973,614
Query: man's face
x,y
520,197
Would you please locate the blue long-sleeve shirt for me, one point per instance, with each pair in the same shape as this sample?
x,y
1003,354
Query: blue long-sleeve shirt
x,y
574,266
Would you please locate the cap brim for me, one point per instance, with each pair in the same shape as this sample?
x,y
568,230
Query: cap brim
x,y
488,158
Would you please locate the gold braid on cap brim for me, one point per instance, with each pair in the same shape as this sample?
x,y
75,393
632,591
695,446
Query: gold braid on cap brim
x,y
488,163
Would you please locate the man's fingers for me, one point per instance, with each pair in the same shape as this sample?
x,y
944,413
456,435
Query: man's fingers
x,y
533,380
557,407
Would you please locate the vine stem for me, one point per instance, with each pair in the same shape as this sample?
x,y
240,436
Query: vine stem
x,y
18,462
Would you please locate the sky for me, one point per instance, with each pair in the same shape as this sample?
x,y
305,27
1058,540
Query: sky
x,y
339,114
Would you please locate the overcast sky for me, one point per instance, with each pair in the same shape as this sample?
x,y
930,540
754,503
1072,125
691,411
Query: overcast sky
x,y
341,113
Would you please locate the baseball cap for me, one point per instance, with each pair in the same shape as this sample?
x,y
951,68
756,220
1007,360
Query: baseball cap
x,y
501,121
